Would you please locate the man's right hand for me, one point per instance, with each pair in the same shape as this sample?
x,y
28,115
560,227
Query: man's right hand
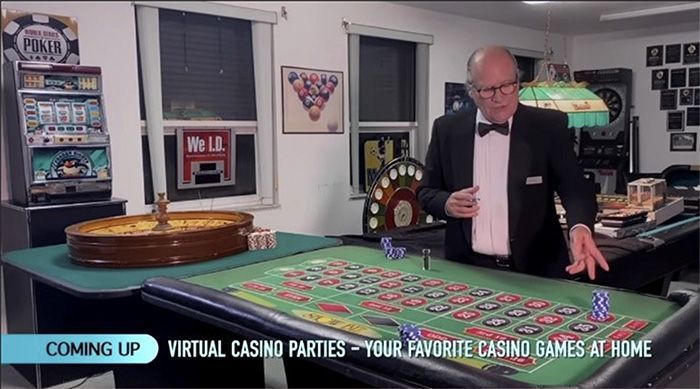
x,y
463,204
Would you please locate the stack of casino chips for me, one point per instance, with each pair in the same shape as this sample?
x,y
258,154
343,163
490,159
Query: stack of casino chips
x,y
396,253
385,242
262,239
408,333
600,305
390,251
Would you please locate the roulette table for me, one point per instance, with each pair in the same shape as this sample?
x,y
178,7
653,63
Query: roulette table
x,y
354,293
645,263
49,292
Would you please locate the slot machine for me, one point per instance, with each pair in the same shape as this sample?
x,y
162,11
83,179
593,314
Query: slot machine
x,y
59,169
58,140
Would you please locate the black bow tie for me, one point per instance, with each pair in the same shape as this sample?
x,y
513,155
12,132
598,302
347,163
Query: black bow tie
x,y
484,128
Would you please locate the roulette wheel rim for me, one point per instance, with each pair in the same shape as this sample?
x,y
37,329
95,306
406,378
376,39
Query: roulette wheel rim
x,y
394,190
170,247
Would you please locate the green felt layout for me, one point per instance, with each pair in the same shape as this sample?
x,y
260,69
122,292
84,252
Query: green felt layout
x,y
53,263
450,301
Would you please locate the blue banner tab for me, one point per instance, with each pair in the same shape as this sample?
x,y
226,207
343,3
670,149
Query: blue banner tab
x,y
75,348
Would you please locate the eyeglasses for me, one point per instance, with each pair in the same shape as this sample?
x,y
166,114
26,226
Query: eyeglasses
x,y
506,89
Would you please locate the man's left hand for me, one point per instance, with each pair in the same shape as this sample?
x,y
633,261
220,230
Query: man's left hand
x,y
585,252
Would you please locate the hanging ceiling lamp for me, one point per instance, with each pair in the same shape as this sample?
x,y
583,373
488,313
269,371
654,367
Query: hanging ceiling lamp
x,y
559,92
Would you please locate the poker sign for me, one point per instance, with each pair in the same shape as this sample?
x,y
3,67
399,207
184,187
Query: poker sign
x,y
37,37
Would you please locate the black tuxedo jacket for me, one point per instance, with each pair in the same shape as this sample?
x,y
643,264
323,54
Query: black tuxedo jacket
x,y
541,145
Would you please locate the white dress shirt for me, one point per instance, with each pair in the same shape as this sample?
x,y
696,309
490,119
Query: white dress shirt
x,y
491,153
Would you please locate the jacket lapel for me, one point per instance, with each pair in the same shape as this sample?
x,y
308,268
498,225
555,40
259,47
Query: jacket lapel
x,y
519,161
463,158
463,161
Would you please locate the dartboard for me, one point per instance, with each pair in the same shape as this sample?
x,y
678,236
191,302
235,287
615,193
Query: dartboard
x,y
391,201
612,100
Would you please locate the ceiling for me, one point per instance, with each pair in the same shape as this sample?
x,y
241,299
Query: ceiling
x,y
568,17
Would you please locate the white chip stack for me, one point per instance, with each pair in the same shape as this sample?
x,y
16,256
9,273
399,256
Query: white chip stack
x,y
262,239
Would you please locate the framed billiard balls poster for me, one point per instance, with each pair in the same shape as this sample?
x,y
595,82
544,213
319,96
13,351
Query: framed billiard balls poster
x,y
312,101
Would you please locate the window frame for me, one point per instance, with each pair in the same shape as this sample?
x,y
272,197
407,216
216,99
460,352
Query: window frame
x,y
156,127
419,131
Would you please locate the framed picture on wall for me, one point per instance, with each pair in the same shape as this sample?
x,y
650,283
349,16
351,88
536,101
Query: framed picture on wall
x,y
694,76
685,97
668,99
673,53
456,98
659,79
675,121
678,78
559,72
377,149
690,53
684,141
693,116
312,101
655,55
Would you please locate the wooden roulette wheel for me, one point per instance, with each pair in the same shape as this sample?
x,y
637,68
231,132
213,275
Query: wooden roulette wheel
x,y
159,239
391,201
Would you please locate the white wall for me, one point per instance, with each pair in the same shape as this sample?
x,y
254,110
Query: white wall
x,y
628,50
313,169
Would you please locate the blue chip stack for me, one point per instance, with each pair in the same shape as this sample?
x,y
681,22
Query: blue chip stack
x,y
390,251
408,333
386,243
601,305
396,252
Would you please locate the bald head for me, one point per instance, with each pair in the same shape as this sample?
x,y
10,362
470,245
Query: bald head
x,y
492,80
485,56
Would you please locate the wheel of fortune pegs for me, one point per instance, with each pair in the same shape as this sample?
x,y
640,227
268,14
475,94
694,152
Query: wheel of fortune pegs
x,y
391,201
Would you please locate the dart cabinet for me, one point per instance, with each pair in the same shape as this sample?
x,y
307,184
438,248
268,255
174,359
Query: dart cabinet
x,y
604,150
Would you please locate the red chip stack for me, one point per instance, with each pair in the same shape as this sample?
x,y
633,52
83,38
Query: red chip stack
x,y
262,239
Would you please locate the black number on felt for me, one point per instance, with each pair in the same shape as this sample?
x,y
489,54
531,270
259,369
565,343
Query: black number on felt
x,y
496,322
438,308
481,292
568,311
488,306
583,327
517,313
528,329
435,294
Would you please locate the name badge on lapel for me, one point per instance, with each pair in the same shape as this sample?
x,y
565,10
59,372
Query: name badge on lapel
x,y
534,180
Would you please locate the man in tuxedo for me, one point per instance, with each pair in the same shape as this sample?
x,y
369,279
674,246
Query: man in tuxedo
x,y
492,173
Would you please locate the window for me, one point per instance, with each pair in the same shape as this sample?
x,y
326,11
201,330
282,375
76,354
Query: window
x,y
387,80
526,68
529,64
207,66
388,99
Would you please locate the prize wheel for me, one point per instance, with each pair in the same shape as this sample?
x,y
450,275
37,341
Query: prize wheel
x,y
391,201
612,100
159,239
